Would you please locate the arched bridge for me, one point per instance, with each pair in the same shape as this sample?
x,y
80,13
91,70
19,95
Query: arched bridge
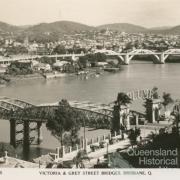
x,y
124,58
158,57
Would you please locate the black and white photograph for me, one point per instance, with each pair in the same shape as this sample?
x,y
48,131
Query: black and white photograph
x,y
90,84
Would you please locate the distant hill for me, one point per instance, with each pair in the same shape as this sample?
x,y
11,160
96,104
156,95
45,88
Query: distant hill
x,y
174,30
124,27
4,27
161,28
54,30
131,28
167,30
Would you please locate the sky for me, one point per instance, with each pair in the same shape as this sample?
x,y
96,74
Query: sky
x,y
148,13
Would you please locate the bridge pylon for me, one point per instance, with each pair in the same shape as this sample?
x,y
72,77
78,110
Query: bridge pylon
x,y
25,131
26,139
126,59
39,133
13,132
162,58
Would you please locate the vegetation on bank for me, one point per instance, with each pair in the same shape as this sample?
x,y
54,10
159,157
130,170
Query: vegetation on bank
x,y
93,59
84,62
18,68
4,79
7,147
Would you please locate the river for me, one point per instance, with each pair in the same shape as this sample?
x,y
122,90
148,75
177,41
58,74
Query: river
x,y
137,75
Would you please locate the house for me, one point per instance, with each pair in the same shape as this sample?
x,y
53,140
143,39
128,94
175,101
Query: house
x,y
42,67
59,65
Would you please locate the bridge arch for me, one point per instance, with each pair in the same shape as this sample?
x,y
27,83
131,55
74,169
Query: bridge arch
x,y
111,53
169,52
143,52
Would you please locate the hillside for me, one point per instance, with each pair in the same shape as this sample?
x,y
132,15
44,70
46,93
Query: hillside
x,y
171,30
44,32
130,28
174,30
161,28
7,28
54,30
124,27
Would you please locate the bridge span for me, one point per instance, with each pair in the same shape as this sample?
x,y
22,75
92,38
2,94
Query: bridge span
x,y
158,57
26,119
124,58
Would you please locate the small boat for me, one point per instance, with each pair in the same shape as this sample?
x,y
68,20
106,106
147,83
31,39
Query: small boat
x,y
54,75
111,69
82,72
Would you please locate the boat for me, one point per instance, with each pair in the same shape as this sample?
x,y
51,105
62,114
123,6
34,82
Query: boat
x,y
111,69
82,72
54,75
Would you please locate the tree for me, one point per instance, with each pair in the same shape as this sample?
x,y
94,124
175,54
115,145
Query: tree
x,y
115,119
100,57
176,114
47,60
64,119
155,94
7,147
71,137
60,49
83,61
92,59
166,99
123,99
133,134
129,46
20,68
16,50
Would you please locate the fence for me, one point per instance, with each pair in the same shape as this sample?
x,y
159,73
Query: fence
x,y
69,151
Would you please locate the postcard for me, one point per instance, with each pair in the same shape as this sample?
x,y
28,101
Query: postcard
x,y
89,89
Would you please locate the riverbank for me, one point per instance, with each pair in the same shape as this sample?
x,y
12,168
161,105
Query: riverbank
x,y
7,78
24,77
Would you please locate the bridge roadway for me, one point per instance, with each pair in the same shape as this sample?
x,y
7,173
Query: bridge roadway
x,y
8,60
